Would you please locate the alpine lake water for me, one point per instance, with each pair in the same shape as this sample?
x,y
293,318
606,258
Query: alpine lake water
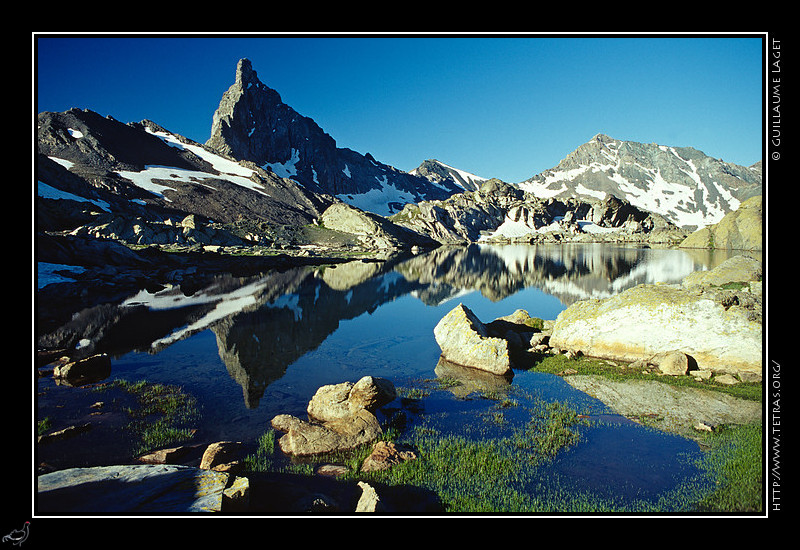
x,y
248,349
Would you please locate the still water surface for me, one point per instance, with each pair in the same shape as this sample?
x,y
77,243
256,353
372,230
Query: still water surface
x,y
251,348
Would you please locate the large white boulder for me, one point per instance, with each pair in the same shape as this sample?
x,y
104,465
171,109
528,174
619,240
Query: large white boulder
x,y
650,319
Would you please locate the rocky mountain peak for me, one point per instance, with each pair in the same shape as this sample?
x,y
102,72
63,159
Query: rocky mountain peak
x,y
603,138
253,124
245,73
438,172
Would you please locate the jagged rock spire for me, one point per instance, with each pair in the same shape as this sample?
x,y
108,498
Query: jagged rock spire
x,y
244,109
245,72
253,124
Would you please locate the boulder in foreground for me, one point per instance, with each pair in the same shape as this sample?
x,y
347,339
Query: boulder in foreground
x,y
340,418
304,438
135,489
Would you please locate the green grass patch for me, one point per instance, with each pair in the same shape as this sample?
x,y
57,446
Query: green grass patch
x,y
43,426
162,415
735,459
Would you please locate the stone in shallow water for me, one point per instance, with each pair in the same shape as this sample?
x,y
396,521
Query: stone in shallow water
x,y
465,341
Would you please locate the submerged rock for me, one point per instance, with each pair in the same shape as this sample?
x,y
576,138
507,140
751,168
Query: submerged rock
x,y
737,269
465,341
678,409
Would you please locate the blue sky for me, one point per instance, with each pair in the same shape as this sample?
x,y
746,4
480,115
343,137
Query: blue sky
x,y
496,106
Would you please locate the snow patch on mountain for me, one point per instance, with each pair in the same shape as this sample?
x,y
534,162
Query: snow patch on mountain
x,y
384,201
286,169
49,192
511,228
229,170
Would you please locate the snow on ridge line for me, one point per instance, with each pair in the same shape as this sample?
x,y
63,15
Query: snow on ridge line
x,y
467,176
229,170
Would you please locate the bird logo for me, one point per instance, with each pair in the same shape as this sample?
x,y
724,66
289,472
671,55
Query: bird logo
x,y
18,536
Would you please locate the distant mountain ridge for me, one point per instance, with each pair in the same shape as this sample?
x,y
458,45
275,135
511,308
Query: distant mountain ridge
x,y
684,185
253,124
439,172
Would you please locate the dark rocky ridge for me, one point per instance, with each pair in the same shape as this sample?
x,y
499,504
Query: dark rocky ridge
x,y
92,157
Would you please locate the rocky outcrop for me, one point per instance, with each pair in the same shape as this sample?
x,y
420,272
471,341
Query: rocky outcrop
x,y
498,212
191,230
738,230
719,330
372,231
340,418
465,341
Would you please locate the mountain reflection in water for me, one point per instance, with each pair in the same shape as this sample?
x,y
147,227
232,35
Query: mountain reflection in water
x,y
312,321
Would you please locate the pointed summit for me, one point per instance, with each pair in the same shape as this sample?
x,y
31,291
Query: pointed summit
x,y
602,138
245,109
245,72
253,124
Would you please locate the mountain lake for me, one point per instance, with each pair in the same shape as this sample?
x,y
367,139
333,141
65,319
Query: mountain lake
x,y
248,349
